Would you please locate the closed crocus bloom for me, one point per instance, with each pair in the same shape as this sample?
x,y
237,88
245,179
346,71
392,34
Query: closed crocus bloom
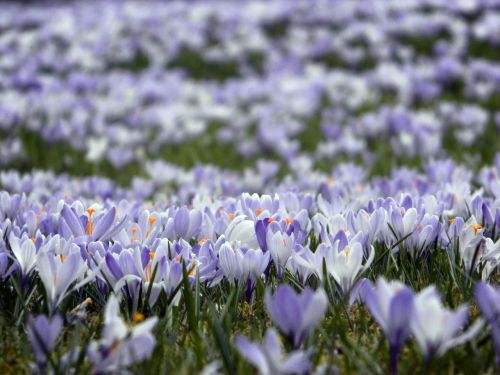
x,y
281,246
391,305
25,252
242,231
437,329
43,334
469,241
488,300
230,261
120,346
296,314
403,221
269,358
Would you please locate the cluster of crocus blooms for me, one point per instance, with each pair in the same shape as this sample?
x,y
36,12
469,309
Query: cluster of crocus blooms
x,y
291,86
327,235
128,91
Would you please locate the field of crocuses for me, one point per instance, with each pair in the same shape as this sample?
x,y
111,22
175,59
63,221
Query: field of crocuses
x,y
241,187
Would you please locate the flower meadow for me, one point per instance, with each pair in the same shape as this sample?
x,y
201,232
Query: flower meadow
x,y
272,187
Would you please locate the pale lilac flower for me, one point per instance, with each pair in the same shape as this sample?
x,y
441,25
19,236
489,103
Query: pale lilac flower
x,y
58,273
437,329
269,358
296,314
43,334
119,346
488,301
391,305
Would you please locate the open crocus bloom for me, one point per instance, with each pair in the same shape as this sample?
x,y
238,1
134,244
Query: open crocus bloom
x,y
436,328
58,273
119,346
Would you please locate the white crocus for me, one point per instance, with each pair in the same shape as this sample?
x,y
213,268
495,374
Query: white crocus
x,y
25,253
242,231
437,329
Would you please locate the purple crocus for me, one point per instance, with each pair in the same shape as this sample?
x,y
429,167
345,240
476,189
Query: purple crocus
x,y
296,314
269,358
43,334
391,305
488,301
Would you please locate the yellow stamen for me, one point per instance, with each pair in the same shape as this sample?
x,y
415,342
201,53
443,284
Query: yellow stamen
x,y
451,219
288,221
230,216
152,254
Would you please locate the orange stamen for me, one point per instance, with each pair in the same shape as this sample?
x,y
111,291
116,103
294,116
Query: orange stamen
x,y
138,317
203,240
288,221
152,254
258,211
90,211
230,216
476,228
152,220
89,227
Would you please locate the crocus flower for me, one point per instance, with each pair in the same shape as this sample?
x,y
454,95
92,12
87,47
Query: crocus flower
x,y
58,272
43,334
436,328
184,223
25,253
491,257
281,247
242,231
243,264
469,242
391,305
488,301
120,347
296,314
269,358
